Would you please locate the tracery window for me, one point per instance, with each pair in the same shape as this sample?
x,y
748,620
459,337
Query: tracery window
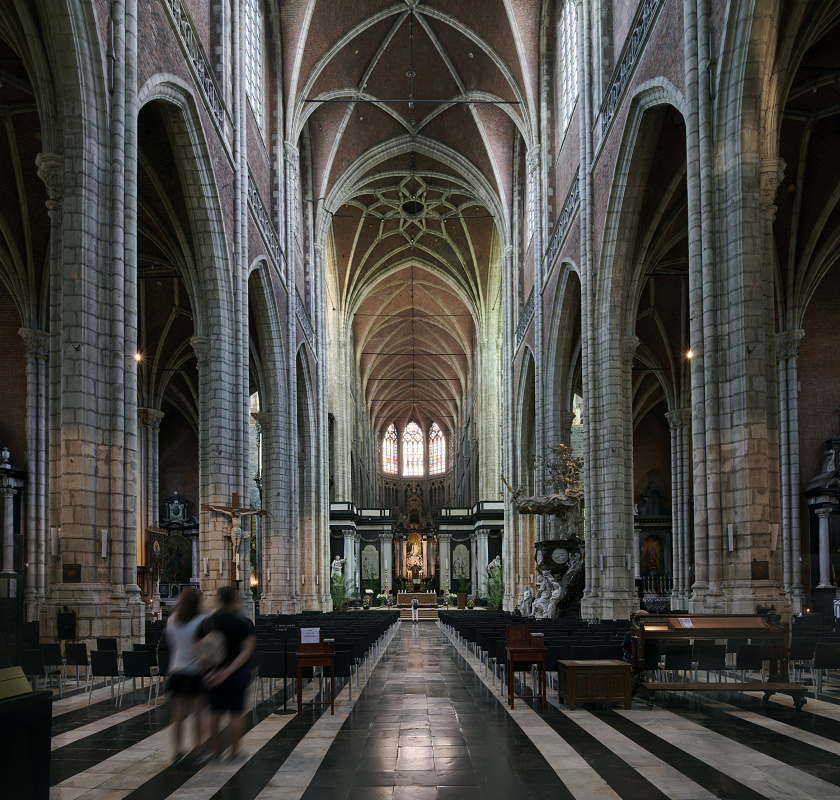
x,y
437,450
254,59
389,451
412,450
567,62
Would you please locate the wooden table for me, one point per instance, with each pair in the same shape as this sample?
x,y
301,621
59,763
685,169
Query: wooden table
x,y
316,655
518,648
594,681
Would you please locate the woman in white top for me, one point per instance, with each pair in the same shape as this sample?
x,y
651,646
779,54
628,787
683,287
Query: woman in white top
x,y
184,672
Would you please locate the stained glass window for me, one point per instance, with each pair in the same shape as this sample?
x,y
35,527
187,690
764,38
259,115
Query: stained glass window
x,y
254,59
389,451
567,62
412,450
437,450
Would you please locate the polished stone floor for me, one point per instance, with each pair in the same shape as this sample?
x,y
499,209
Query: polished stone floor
x,y
427,723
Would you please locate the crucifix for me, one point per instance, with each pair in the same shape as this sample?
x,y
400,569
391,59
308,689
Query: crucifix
x,y
236,533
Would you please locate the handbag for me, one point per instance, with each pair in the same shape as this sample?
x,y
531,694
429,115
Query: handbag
x,y
211,649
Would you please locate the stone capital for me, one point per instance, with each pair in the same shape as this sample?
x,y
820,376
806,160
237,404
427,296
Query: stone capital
x,y
50,168
772,172
37,343
262,420
629,345
149,418
679,418
291,154
787,344
532,158
201,346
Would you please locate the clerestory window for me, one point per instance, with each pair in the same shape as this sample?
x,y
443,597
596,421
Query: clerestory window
x,y
412,450
437,450
254,60
566,62
389,451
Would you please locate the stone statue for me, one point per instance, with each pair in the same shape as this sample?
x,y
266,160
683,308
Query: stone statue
x,y
547,587
337,567
495,564
526,606
554,602
563,476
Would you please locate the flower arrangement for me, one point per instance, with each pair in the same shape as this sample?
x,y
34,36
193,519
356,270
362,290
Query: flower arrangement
x,y
471,600
382,597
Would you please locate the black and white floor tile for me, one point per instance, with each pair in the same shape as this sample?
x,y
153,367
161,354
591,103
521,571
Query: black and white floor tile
x,y
427,723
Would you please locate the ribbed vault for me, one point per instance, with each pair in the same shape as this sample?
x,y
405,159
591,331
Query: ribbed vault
x,y
414,115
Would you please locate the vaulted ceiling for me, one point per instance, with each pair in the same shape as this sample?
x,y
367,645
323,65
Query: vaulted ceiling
x,y
415,117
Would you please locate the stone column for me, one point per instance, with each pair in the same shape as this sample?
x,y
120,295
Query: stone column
x,y
8,529
679,421
445,564
481,561
357,557
350,562
787,355
566,420
823,513
148,424
37,345
637,555
386,547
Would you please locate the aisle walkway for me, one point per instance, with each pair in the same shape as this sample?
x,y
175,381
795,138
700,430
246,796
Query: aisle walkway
x,y
429,725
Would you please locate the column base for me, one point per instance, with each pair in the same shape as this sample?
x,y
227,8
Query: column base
x,y
100,612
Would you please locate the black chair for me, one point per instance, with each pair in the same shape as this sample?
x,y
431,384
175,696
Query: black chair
x,y
136,665
678,659
711,658
652,656
826,658
750,658
53,662
32,664
76,655
103,664
609,652
107,643
270,666
802,655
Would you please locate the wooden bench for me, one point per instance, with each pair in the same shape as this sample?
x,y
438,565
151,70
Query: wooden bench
x,y
797,692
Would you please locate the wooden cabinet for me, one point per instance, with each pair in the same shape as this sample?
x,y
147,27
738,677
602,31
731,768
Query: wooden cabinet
x,y
594,682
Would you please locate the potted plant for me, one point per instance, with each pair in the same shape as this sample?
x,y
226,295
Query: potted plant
x,y
495,588
338,591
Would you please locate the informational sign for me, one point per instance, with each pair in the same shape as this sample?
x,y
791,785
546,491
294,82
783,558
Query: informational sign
x,y
310,635
686,622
